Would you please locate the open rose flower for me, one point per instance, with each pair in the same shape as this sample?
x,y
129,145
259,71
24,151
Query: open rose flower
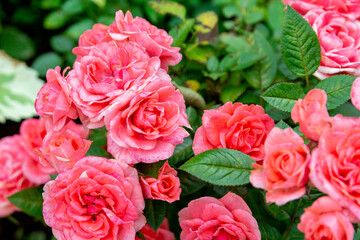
x,y
105,73
350,8
12,178
166,187
339,39
285,168
54,102
325,220
62,149
334,166
226,218
156,41
236,126
146,126
97,199
162,233
311,114
32,132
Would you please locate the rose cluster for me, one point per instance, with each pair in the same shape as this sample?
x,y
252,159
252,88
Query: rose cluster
x,y
328,162
337,25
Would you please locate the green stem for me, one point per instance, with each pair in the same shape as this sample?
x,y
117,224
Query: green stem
x,y
293,218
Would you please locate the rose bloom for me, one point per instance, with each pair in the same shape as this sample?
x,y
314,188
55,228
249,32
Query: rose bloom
x,y
339,39
325,220
54,102
226,218
311,114
334,166
105,73
236,126
12,178
146,126
156,41
32,132
90,38
97,199
62,149
166,187
355,93
162,233
285,169
350,8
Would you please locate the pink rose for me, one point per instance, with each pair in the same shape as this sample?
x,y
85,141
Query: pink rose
x,y
355,93
12,178
226,218
90,38
146,126
334,166
156,41
325,220
350,8
62,149
166,187
105,73
339,39
97,199
54,102
236,126
311,114
32,132
285,168
162,233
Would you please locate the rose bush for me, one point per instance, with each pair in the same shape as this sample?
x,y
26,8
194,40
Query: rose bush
x,y
236,126
97,199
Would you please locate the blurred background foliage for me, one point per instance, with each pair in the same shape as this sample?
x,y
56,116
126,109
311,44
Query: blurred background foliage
x,y
231,52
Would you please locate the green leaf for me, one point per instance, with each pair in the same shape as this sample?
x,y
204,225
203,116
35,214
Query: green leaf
x,y
72,7
337,88
99,3
191,114
283,95
99,143
212,64
207,21
268,232
199,53
254,17
191,97
294,233
53,176
235,43
183,32
182,152
278,213
223,190
50,4
246,60
29,201
189,183
224,167
78,28
231,93
173,8
61,43
276,14
281,124
347,110
154,212
46,61
55,20
300,46
150,169
229,61
19,86
17,44
230,11
262,74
